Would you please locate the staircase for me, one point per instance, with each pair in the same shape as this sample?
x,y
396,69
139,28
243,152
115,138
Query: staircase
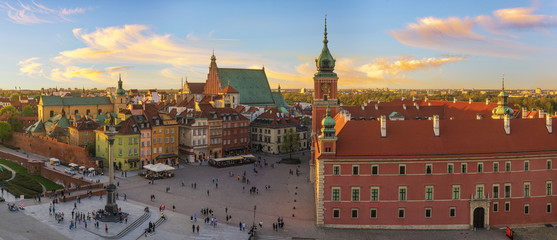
x,y
128,229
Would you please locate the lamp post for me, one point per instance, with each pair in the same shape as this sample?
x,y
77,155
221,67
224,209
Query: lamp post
x,y
253,226
111,205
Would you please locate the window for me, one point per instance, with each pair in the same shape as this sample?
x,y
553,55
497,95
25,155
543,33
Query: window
x,y
154,150
401,213
142,153
507,190
463,168
374,170
480,167
428,192
548,164
495,167
402,169
160,139
167,139
450,168
548,208
373,213
172,139
129,152
336,212
402,193
548,190
335,194
526,165
120,141
527,189
495,207
456,192
507,206
495,190
479,191
452,212
427,212
154,140
120,151
354,213
129,141
526,209
355,194
374,194
428,169
507,166
167,131
336,170
355,169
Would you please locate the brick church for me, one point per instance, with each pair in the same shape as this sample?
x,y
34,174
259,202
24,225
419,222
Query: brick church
x,y
478,170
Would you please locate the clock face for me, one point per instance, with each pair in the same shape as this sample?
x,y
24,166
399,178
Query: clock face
x,y
325,87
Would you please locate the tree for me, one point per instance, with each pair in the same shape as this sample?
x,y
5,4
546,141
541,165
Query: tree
x,y
290,143
9,108
14,97
28,111
5,130
15,122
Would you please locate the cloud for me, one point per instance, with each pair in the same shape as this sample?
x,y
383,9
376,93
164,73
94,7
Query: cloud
x,y
461,35
35,13
30,67
382,71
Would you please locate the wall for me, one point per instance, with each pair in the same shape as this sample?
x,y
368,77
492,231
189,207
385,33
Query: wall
x,y
50,147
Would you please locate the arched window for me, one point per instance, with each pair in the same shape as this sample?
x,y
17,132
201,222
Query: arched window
x,y
99,112
51,113
76,112
88,111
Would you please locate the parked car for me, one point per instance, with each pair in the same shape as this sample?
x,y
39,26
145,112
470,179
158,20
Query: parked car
x,y
69,171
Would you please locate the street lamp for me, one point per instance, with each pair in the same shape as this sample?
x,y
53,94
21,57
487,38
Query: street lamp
x,y
253,226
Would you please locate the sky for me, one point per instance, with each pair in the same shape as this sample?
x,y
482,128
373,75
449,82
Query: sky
x,y
376,44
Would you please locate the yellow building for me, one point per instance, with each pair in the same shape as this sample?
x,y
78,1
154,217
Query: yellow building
x,y
82,132
49,106
164,133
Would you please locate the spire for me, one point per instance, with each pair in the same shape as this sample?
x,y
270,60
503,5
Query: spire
x,y
325,41
120,91
328,130
503,82
213,58
279,88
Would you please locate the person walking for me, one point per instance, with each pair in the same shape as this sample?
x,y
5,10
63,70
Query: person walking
x,y
105,227
207,192
197,228
193,228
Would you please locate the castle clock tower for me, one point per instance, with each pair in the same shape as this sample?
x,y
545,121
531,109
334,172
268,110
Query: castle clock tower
x,y
324,87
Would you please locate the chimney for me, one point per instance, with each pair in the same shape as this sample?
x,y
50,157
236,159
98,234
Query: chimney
x,y
548,123
403,98
436,125
470,101
524,112
454,100
363,107
426,98
507,124
478,116
383,126
542,113
487,101
404,106
376,106
413,98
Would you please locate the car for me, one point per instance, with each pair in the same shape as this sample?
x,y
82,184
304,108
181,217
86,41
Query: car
x,y
69,171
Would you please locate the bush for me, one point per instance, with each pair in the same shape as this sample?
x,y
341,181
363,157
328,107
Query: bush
x,y
49,185
27,182
5,174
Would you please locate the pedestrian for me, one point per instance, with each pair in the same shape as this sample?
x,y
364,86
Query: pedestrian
x,y
105,227
126,218
173,208
207,192
194,185
118,183
217,185
197,228
193,228
195,217
125,197
240,224
85,223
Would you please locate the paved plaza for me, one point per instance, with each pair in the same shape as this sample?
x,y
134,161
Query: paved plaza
x,y
289,197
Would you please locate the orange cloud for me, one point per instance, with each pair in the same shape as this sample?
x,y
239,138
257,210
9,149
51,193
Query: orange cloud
x,y
458,35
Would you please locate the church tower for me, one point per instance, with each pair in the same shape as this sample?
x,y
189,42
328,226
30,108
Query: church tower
x,y
120,100
502,108
324,86
213,85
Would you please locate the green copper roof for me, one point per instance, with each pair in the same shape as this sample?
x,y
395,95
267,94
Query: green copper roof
x,y
279,100
70,101
120,91
251,83
328,130
325,63
37,127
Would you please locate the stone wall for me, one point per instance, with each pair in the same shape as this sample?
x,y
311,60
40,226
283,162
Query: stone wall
x,y
50,147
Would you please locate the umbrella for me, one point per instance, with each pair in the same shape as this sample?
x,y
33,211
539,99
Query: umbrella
x,y
82,167
91,169
73,165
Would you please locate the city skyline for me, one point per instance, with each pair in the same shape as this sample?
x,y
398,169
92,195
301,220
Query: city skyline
x,y
376,44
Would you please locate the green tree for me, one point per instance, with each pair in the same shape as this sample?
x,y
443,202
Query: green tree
x,y
5,130
9,109
290,143
28,111
14,97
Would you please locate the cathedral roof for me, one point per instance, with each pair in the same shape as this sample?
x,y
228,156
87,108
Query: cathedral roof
x,y
251,83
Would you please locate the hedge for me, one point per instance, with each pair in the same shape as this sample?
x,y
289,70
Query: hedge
x,y
49,185
5,174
